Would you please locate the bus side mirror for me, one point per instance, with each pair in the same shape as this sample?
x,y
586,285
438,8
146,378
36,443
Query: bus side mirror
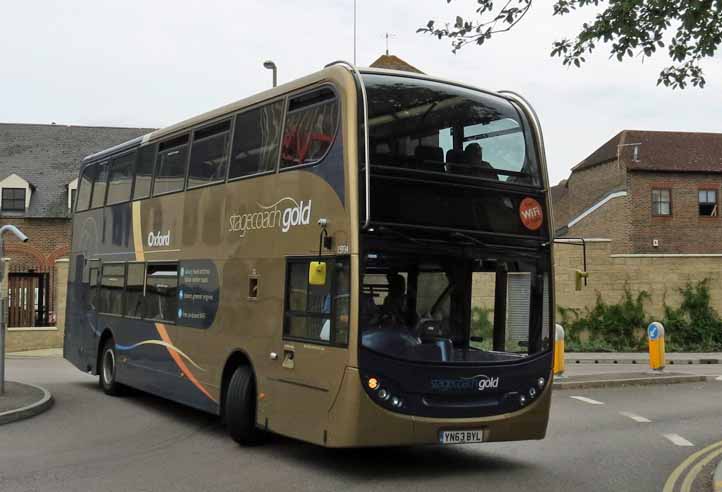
x,y
578,276
317,273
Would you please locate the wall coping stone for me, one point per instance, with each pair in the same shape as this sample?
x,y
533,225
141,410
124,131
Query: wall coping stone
x,y
667,255
33,328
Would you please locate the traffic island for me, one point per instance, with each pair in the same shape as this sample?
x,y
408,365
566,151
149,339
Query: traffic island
x,y
625,379
22,401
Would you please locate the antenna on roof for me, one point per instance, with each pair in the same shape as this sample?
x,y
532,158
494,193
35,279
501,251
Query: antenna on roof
x,y
389,35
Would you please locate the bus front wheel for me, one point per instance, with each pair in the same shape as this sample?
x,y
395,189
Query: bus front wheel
x,y
240,408
108,368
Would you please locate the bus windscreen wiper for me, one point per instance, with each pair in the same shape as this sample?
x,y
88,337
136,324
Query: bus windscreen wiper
x,y
478,242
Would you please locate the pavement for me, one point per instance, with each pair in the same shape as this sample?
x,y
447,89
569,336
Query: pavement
x,y
599,439
22,401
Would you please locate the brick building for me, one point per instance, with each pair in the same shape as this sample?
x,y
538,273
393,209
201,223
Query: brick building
x,y
647,191
38,178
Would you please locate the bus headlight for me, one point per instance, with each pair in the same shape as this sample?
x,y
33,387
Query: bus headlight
x,y
383,394
373,383
532,392
540,382
522,400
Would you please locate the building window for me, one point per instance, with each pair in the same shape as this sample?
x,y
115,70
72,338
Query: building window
x,y
662,202
707,203
13,199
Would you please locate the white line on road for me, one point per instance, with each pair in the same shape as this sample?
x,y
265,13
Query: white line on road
x,y
635,417
719,378
587,400
678,440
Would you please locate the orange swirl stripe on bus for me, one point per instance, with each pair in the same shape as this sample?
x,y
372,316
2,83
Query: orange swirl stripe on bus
x,y
179,361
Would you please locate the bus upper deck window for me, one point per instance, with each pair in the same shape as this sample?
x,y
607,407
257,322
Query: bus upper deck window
x,y
256,140
310,127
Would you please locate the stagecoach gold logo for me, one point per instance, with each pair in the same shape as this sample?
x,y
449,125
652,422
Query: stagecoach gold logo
x,y
480,383
158,239
283,214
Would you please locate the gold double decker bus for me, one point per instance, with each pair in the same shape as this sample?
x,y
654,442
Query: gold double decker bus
x,y
359,257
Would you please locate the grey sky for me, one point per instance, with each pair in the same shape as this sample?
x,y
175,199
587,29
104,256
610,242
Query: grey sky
x,y
151,63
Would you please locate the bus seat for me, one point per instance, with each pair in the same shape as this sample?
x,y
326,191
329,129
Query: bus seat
x,y
429,158
455,162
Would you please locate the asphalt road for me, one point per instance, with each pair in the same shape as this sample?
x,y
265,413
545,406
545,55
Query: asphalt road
x,y
89,441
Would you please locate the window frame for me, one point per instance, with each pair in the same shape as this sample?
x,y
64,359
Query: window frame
x,y
254,107
105,162
13,210
716,202
187,162
110,161
339,122
80,184
125,288
101,276
331,315
192,140
671,210
145,286
139,149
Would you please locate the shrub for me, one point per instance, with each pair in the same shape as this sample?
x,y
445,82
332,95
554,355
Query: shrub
x,y
482,326
611,327
695,325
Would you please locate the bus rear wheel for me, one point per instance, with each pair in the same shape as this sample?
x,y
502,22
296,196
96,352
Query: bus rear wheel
x,y
240,408
108,368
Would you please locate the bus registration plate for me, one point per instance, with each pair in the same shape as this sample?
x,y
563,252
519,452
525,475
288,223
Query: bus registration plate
x,y
461,436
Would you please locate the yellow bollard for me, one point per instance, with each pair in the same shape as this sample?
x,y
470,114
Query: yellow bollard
x,y
655,335
558,350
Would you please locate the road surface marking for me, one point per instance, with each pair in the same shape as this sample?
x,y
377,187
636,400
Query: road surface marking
x,y
636,418
678,440
674,476
694,471
587,400
719,378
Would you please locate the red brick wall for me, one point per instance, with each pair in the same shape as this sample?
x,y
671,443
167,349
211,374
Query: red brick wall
x,y
610,221
685,231
587,187
49,240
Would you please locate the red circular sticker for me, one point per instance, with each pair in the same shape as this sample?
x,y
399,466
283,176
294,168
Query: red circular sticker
x,y
530,213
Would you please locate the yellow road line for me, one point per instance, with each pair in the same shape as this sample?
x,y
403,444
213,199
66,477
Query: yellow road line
x,y
694,471
674,476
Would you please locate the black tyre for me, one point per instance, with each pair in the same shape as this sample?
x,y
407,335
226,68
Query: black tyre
x,y
107,369
240,408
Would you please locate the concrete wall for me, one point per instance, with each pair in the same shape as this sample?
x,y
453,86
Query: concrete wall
x,y
660,275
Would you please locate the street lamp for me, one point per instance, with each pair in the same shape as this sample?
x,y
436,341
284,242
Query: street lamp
x,y
271,66
3,301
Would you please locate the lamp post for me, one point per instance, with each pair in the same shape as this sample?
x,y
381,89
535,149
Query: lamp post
x,y
271,66
3,299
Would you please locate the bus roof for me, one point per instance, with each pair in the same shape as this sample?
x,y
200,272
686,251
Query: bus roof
x,y
335,68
